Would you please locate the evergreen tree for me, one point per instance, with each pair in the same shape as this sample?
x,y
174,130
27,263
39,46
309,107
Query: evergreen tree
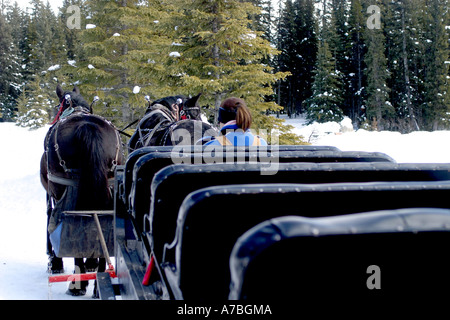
x,y
8,70
223,48
297,42
326,100
436,103
39,37
34,105
379,110
220,56
400,28
122,50
356,79
323,105
70,30
287,57
306,49
264,21
348,23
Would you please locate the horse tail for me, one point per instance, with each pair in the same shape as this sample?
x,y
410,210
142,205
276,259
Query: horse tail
x,y
93,186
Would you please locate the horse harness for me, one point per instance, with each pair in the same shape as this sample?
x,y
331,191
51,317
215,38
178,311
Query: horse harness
x,y
144,139
74,173
169,122
184,112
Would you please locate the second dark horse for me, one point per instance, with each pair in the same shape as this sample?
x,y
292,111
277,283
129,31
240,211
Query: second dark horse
x,y
173,120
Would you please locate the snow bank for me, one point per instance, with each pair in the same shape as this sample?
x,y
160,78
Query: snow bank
x,y
419,147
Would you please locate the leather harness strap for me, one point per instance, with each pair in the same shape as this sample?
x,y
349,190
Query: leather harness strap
x,y
73,180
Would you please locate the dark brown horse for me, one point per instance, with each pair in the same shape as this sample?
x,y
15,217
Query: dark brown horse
x,y
81,153
173,120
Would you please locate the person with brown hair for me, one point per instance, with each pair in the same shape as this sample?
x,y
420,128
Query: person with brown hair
x,y
235,120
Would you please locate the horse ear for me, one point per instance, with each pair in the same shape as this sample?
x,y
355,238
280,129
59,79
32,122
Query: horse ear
x,y
76,90
193,101
59,92
197,97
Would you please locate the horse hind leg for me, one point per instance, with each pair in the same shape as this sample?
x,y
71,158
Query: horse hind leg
x,y
77,287
55,264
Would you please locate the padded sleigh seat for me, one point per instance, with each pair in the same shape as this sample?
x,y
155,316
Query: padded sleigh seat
x,y
373,256
212,219
172,184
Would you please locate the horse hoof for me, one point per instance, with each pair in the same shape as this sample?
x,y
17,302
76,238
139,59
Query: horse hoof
x,y
56,271
91,265
55,265
77,288
76,292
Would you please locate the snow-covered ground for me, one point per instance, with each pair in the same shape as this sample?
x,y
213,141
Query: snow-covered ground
x,y
23,260
418,147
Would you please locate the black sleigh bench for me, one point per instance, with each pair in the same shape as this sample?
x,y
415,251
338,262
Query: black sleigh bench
x,y
171,185
191,150
195,265
373,257
133,197
138,192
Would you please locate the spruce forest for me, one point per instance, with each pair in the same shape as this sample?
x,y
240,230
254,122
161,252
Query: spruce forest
x,y
385,64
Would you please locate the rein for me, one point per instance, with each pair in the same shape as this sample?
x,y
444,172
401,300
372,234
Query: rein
x,y
58,115
69,110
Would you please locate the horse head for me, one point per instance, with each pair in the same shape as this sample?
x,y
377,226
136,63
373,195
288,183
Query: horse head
x,y
191,109
71,99
180,106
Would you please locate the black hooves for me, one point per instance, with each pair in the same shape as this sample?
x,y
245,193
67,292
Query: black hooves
x,y
55,265
77,288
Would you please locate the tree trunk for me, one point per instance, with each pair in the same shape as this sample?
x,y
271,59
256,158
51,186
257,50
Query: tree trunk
x,y
216,59
360,76
126,110
412,122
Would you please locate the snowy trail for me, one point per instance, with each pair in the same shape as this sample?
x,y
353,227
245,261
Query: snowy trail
x,y
23,259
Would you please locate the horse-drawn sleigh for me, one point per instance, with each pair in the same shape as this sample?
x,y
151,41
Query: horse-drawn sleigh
x,y
211,223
